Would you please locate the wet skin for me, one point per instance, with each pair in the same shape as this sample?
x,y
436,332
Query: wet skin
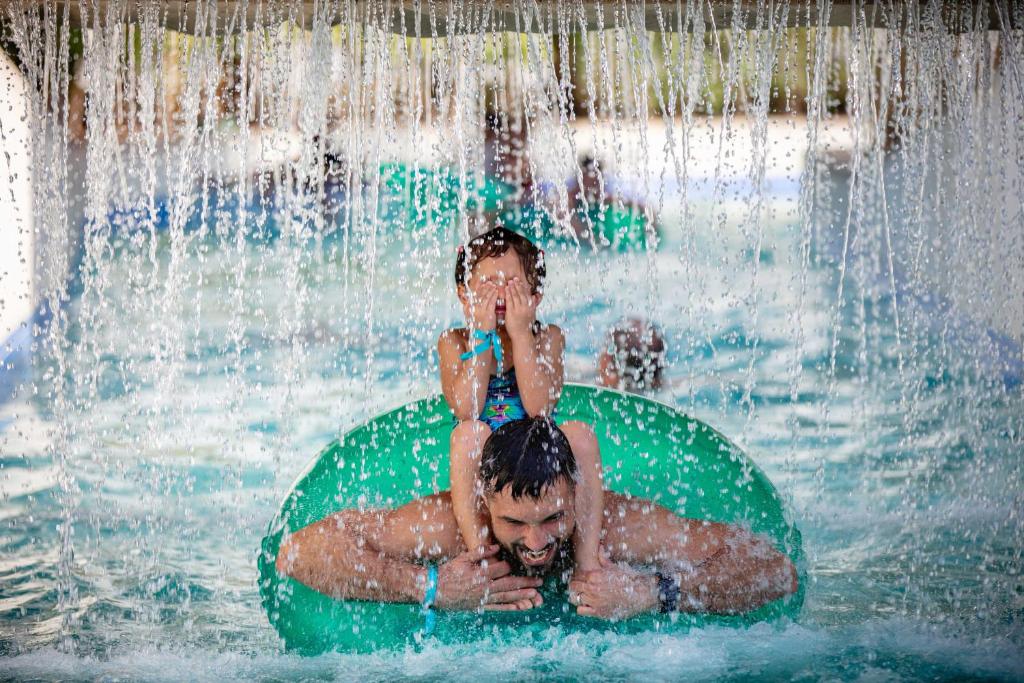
x,y
378,555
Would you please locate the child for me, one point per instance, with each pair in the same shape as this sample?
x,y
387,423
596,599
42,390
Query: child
x,y
505,366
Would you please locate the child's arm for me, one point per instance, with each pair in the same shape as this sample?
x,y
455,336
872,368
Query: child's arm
x,y
464,382
538,359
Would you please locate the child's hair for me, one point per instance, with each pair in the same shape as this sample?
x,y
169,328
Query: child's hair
x,y
494,243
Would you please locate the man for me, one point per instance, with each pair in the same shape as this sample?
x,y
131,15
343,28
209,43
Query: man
x,y
653,559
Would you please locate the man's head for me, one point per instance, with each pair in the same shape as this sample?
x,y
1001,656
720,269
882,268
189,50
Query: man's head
x,y
529,473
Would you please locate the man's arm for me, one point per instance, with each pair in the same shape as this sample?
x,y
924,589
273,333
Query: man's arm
x,y
743,574
720,568
377,555
333,557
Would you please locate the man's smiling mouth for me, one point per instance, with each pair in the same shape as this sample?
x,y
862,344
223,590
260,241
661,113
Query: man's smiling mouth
x,y
536,558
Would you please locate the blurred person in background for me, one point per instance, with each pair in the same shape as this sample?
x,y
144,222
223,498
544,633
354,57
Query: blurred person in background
x,y
633,358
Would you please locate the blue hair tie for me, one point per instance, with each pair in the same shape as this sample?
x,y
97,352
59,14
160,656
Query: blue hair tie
x,y
429,595
489,340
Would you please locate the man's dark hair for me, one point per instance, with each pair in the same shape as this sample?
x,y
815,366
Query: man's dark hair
x,y
528,456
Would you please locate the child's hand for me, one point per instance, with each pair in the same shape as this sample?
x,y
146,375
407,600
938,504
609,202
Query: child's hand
x,y
520,308
478,307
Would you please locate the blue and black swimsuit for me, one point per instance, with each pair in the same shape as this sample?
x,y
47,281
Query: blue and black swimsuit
x,y
503,403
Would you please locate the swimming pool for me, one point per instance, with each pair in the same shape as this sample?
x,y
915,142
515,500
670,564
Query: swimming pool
x,y
185,430
840,285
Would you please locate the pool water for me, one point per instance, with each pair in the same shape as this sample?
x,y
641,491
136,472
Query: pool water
x,y
199,377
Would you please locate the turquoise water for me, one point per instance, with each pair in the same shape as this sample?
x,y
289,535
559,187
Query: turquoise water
x,y
203,372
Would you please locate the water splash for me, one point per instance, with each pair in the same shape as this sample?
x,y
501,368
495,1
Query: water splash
x,y
246,219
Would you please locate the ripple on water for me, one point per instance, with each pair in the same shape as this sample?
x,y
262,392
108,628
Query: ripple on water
x,y
27,585
884,649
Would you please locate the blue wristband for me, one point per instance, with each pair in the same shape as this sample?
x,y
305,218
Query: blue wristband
x,y
429,594
668,593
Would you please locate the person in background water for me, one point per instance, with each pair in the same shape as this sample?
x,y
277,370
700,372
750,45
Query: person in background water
x,y
634,357
603,213
505,366
506,153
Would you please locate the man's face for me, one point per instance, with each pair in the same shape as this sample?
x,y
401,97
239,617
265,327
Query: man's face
x,y
534,531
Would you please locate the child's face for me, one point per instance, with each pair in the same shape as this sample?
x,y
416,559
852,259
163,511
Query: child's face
x,y
499,270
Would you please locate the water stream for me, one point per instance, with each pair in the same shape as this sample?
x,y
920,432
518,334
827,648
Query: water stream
x,y
244,242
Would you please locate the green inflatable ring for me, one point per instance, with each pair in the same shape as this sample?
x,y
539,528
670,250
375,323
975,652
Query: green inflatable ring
x,y
433,198
649,450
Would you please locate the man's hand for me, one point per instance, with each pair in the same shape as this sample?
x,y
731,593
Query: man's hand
x,y
476,579
613,592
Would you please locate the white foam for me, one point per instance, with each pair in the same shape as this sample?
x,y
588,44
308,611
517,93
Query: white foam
x,y
880,650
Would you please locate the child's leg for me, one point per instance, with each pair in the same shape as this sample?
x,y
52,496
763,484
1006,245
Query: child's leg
x,y
589,494
467,441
